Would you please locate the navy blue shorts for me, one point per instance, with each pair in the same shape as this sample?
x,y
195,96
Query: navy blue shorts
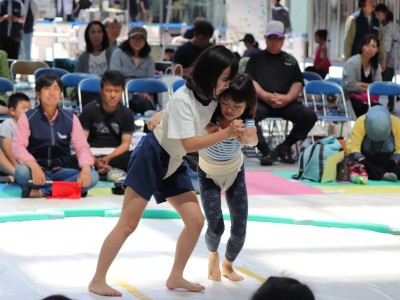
x,y
147,168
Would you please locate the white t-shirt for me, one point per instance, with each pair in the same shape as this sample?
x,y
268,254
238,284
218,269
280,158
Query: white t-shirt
x,y
184,117
7,129
98,64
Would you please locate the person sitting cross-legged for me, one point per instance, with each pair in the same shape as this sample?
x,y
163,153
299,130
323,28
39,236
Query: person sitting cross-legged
x,y
42,144
107,123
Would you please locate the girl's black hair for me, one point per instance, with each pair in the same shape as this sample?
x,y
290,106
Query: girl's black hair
x,y
384,9
241,89
46,80
104,44
322,33
366,40
126,47
208,67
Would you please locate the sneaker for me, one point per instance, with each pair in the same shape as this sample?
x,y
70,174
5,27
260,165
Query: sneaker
x,y
284,154
267,160
114,174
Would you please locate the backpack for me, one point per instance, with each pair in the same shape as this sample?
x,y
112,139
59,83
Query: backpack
x,y
312,160
281,13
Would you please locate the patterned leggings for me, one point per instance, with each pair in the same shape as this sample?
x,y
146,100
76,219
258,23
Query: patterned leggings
x,y
236,198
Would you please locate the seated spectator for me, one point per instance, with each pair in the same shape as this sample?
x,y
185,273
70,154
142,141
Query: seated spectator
x,y
133,60
359,72
321,60
283,288
187,53
279,81
113,28
375,143
95,59
18,104
42,144
251,45
107,123
168,54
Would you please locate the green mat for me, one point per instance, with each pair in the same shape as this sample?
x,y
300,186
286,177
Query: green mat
x,y
289,175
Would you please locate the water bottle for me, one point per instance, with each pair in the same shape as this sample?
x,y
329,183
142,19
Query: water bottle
x,y
359,179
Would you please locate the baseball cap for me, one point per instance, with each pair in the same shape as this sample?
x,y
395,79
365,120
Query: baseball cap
x,y
249,38
135,30
275,28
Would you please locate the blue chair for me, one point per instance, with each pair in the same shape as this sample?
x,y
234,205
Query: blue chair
x,y
144,85
335,79
90,85
72,80
383,88
168,79
177,84
6,85
58,71
324,111
311,76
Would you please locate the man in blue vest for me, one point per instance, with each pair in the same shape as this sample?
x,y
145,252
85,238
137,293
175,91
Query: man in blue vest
x,y
359,24
12,17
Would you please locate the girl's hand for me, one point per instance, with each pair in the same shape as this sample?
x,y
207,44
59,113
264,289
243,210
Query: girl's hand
x,y
234,128
211,128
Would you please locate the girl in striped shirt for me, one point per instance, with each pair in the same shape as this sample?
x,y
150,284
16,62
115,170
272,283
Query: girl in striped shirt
x,y
221,168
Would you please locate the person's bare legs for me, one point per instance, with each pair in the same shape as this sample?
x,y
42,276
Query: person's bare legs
x,y
132,210
189,209
229,272
214,272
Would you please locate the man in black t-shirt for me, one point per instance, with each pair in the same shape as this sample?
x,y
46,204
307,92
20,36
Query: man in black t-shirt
x,y
109,124
278,81
187,53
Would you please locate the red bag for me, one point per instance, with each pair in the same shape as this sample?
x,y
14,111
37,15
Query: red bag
x,y
65,190
363,97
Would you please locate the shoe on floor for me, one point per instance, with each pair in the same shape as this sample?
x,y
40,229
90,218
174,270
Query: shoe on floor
x,y
114,174
284,154
26,191
267,160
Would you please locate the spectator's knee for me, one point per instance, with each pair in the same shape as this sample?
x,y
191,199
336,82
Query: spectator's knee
x,y
22,174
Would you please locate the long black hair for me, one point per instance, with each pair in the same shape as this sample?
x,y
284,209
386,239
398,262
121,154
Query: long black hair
x,y
104,44
208,67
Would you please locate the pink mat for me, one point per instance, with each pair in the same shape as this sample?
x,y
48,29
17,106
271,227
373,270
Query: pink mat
x,y
262,183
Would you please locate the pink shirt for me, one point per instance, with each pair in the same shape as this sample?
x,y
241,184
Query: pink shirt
x,y
78,139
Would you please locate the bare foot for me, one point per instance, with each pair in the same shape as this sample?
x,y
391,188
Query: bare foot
x,y
181,283
229,272
214,273
103,289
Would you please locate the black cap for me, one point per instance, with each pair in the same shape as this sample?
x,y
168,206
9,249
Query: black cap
x,y
249,38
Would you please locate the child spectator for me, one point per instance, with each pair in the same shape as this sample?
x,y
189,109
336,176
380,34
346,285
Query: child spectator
x,y
221,168
283,288
18,104
321,60
168,54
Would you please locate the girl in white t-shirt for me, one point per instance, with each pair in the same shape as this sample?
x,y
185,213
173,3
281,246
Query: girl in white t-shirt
x,y
155,168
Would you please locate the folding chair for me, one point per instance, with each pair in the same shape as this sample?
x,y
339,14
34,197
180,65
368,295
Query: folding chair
x,y
6,85
71,80
335,79
90,85
383,88
169,80
177,84
58,71
144,85
311,76
324,112
25,67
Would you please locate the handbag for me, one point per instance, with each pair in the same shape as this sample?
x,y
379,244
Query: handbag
x,y
363,97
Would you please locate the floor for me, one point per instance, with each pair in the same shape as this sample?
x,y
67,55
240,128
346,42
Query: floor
x,y
44,257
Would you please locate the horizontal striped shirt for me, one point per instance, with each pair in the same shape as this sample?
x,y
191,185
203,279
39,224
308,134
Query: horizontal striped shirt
x,y
226,149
